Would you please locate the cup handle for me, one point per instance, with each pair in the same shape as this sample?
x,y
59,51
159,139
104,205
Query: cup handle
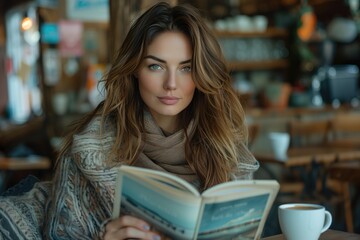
x,y
327,222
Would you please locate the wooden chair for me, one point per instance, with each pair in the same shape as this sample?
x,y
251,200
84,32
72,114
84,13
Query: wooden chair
x,y
304,134
327,133
308,133
344,132
347,172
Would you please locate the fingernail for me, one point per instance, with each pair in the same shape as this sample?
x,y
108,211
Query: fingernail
x,y
146,227
156,237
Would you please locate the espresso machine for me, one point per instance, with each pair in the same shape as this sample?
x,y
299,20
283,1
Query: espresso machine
x,y
339,84
335,84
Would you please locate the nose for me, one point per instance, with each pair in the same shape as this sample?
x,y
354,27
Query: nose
x,y
170,82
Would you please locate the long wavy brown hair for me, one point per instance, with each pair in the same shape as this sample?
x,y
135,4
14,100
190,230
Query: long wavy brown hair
x,y
218,117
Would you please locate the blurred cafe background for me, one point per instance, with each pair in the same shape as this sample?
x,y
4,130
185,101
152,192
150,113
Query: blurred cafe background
x,y
295,65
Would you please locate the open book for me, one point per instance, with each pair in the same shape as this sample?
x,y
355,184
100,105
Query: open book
x,y
231,210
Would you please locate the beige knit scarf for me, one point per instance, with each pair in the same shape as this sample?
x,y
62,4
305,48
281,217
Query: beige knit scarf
x,y
165,153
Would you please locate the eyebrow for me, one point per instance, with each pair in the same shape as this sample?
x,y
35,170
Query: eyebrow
x,y
163,61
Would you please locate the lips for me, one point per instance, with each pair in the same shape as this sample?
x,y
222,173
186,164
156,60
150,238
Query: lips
x,y
169,100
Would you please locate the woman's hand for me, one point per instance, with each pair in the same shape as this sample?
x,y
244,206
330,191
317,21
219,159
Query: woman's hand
x,y
128,227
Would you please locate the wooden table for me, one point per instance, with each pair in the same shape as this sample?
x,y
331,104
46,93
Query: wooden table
x,y
328,235
311,159
341,163
304,156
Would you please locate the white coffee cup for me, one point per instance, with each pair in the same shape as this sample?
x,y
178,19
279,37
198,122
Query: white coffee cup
x,y
299,221
279,142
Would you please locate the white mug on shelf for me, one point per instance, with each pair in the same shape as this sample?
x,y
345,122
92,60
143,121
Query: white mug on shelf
x,y
60,103
260,23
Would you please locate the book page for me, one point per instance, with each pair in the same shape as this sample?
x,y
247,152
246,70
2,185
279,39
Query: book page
x,y
159,176
239,186
236,210
233,219
169,210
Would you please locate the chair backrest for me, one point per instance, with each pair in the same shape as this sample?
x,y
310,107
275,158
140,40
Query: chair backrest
x,y
345,130
308,133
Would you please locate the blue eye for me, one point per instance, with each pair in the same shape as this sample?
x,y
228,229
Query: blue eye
x,y
155,67
186,69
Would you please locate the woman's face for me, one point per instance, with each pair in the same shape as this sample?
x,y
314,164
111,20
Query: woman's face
x,y
165,81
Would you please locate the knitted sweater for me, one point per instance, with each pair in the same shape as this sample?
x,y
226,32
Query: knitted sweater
x,y
80,197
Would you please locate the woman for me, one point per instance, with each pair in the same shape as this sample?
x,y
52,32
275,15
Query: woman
x,y
169,106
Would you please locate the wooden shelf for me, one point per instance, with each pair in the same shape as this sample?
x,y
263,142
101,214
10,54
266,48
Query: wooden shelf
x,y
269,33
29,163
96,25
298,112
257,65
16,132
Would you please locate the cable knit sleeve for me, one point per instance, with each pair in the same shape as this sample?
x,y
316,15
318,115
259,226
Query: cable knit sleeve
x,y
247,164
22,216
83,188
